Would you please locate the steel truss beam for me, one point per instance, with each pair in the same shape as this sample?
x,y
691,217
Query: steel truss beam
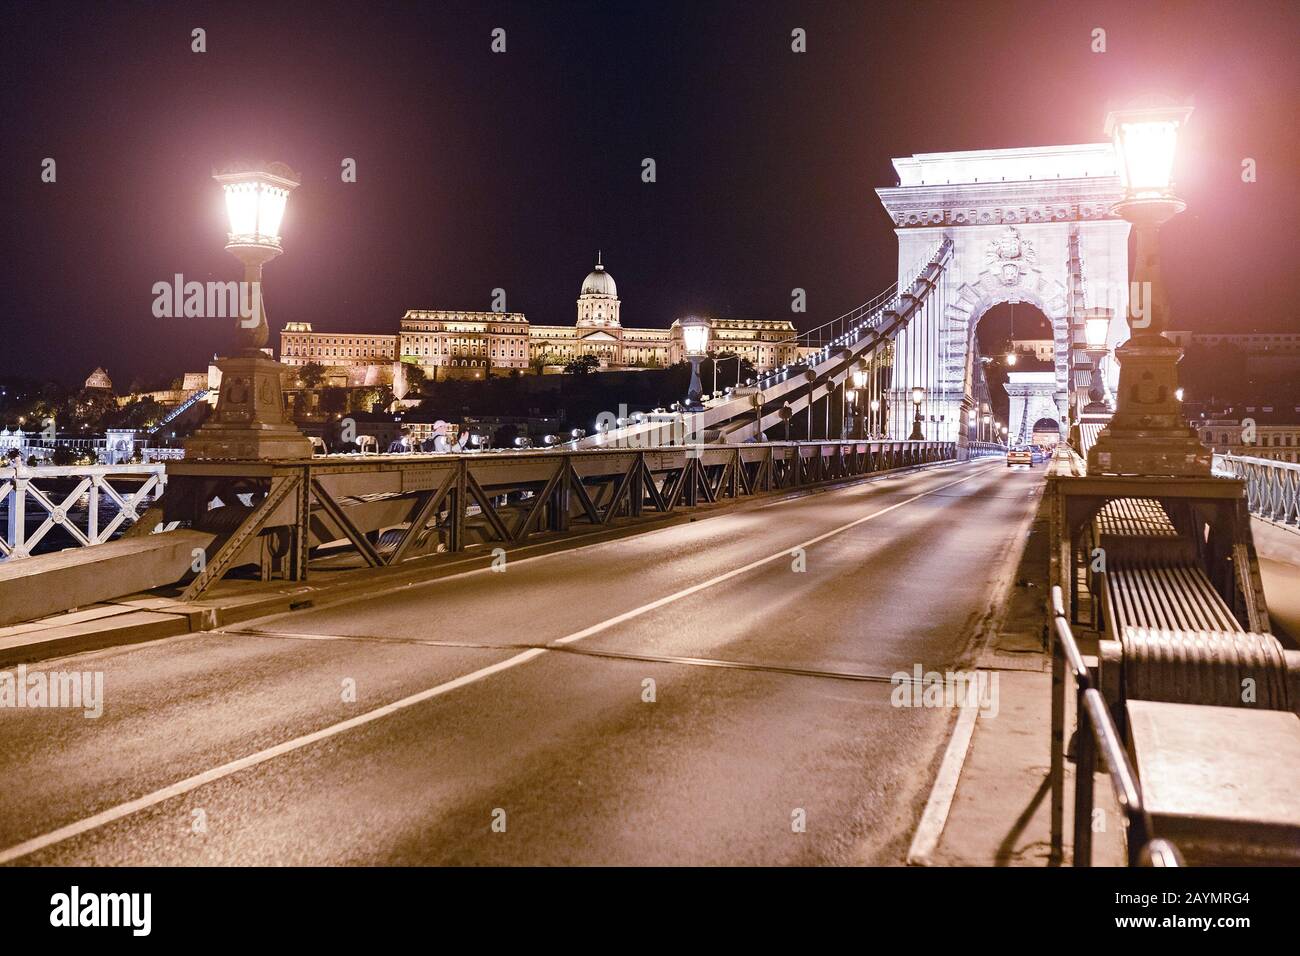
x,y
391,508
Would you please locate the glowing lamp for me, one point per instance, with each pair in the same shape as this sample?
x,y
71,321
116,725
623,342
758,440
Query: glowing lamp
x,y
695,336
1011,358
918,394
860,378
1146,141
255,200
1095,329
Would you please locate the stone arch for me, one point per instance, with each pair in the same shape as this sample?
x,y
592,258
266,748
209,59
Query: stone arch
x,y
1029,224
1048,295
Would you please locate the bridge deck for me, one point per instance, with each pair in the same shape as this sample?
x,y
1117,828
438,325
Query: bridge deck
x,y
525,691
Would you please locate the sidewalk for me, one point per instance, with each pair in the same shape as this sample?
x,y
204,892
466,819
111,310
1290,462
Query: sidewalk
x,y
1000,812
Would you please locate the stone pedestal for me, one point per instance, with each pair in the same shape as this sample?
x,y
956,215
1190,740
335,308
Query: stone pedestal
x,y
249,421
1147,434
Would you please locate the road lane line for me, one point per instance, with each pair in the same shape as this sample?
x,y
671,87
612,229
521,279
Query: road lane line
x,y
181,787
935,815
736,572
252,760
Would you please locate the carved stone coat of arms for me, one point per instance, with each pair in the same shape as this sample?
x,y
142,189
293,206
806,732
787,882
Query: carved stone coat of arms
x,y
1008,253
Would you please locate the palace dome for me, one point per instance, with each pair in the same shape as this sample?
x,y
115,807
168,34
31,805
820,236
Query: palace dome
x,y
599,282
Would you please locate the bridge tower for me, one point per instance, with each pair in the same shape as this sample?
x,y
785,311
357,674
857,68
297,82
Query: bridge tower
x,y
1028,225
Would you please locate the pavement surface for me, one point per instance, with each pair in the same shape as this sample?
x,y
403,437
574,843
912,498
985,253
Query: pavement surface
x,y
714,692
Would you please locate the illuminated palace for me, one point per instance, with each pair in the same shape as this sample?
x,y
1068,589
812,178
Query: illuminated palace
x,y
456,344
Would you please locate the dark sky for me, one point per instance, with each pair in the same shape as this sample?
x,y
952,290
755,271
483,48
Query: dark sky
x,y
478,170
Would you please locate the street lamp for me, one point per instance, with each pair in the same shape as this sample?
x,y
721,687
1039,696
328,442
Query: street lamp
x,y
249,421
1096,327
1147,434
695,342
854,398
918,393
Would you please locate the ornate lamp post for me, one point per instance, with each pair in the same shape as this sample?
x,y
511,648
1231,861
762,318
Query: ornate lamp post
x,y
918,394
861,378
1096,325
249,420
695,342
876,426
1147,434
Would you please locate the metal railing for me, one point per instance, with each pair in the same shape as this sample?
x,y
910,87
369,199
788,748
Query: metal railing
x,y
1272,487
1096,733
281,515
852,323
836,328
69,498
180,410
985,449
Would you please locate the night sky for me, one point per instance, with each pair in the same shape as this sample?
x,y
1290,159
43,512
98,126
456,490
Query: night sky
x,y
479,170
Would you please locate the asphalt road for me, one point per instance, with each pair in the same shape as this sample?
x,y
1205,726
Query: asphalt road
x,y
503,717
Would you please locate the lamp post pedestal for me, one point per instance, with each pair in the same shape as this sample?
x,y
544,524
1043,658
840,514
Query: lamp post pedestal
x,y
249,421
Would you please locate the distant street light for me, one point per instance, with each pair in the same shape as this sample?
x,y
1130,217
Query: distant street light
x,y
1096,328
918,394
1147,434
249,421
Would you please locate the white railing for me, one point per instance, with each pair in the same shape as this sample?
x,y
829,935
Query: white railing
x,y
1272,487
69,498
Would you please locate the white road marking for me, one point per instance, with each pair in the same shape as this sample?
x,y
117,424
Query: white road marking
x,y
935,815
727,576
252,760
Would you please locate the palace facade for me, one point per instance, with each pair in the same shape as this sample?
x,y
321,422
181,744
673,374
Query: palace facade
x,y
457,344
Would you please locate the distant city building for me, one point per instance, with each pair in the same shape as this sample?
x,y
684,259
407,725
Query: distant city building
x,y
458,344
191,382
1267,353
1287,343
465,344
1259,431
99,381
1044,350
300,345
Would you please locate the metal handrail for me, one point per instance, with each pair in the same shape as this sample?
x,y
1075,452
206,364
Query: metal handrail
x,y
180,409
1272,486
873,310
21,493
1096,732
866,308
